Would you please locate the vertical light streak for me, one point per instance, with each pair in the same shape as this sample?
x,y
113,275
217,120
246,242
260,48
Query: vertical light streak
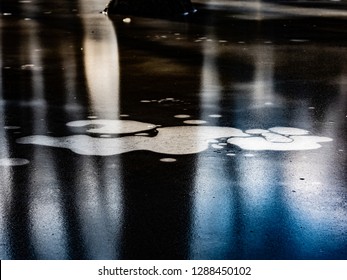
x,y
5,172
263,76
319,206
100,49
47,232
212,207
99,195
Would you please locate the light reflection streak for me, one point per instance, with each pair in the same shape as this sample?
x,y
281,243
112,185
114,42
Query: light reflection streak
x,y
273,9
99,195
5,174
263,76
99,201
264,214
262,87
219,209
47,232
212,222
100,50
212,208
315,205
70,76
226,213
210,85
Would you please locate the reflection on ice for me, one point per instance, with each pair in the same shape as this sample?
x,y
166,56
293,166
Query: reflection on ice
x,y
179,140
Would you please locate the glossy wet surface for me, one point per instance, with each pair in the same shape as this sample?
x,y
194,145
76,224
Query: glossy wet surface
x,y
219,137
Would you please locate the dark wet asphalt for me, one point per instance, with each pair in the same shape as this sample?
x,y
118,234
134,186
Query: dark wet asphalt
x,y
137,192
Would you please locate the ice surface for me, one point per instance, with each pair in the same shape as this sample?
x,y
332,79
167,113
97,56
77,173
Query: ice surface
x,y
177,140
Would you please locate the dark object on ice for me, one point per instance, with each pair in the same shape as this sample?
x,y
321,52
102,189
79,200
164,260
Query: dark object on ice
x,y
151,8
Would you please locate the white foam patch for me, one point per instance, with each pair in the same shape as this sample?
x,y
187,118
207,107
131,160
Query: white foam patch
x,y
195,122
113,126
298,143
13,161
182,116
178,140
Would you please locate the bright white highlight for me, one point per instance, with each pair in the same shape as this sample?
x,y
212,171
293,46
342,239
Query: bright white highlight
x,y
112,126
178,140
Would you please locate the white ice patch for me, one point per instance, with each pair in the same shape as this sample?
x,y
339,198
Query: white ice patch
x,y
274,137
178,140
112,126
277,134
289,131
256,131
294,143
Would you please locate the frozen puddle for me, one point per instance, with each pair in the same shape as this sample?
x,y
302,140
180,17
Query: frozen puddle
x,y
178,140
